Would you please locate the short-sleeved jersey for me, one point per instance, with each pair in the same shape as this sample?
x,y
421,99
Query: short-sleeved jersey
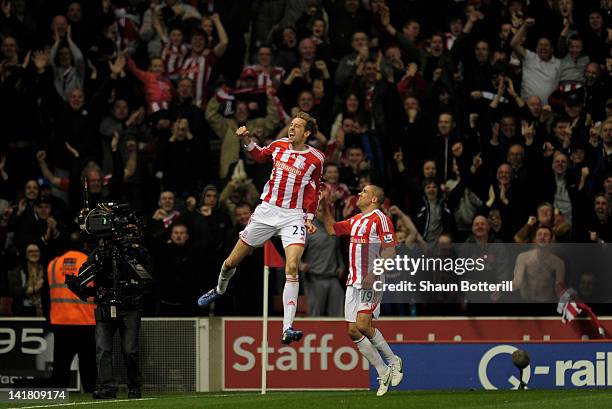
x,y
369,234
295,178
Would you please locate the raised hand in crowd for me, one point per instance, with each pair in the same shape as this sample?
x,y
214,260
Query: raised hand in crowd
x,y
117,67
40,58
528,132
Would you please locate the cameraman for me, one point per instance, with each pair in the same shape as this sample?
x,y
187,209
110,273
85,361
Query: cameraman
x,y
121,311
119,266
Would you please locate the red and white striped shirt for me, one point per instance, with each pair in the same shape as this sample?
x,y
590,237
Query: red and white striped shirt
x,y
198,70
295,180
370,234
266,79
173,57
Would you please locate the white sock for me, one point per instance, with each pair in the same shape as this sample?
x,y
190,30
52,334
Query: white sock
x,y
371,354
378,342
224,277
290,298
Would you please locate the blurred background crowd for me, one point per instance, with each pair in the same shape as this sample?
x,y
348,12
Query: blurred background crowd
x,y
481,119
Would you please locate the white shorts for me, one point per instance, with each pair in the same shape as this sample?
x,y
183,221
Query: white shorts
x,y
268,220
359,300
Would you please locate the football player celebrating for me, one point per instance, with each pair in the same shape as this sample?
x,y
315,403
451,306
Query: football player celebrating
x,y
371,237
289,202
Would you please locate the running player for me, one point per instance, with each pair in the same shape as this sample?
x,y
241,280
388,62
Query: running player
x,y
371,237
289,201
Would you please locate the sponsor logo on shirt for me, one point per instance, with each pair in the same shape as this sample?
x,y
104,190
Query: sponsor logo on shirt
x,y
288,168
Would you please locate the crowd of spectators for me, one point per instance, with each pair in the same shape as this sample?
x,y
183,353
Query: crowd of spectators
x,y
481,119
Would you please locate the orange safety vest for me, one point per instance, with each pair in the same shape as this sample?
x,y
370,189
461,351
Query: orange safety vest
x,y
66,307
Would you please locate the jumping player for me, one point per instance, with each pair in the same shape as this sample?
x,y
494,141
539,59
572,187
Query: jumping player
x,y
371,237
289,202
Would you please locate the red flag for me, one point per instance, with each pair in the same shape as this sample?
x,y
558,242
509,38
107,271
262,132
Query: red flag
x,y
271,257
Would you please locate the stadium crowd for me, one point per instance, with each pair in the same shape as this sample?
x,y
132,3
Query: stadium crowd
x,y
481,119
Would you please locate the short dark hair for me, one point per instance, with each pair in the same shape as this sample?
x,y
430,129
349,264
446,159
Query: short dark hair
x,y
180,223
541,226
244,204
311,123
328,164
561,119
429,181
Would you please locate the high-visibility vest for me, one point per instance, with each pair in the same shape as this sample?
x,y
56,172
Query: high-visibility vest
x,y
66,307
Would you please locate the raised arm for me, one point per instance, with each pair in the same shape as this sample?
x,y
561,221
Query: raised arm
x,y
519,272
259,154
220,48
79,60
44,168
328,218
137,72
216,121
516,40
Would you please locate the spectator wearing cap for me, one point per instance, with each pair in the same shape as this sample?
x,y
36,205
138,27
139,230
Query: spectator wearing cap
x,y
579,117
540,69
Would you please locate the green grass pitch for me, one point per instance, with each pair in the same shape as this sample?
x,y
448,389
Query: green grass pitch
x,y
539,399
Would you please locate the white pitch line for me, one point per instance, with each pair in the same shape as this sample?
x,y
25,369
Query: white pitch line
x,y
219,395
81,403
